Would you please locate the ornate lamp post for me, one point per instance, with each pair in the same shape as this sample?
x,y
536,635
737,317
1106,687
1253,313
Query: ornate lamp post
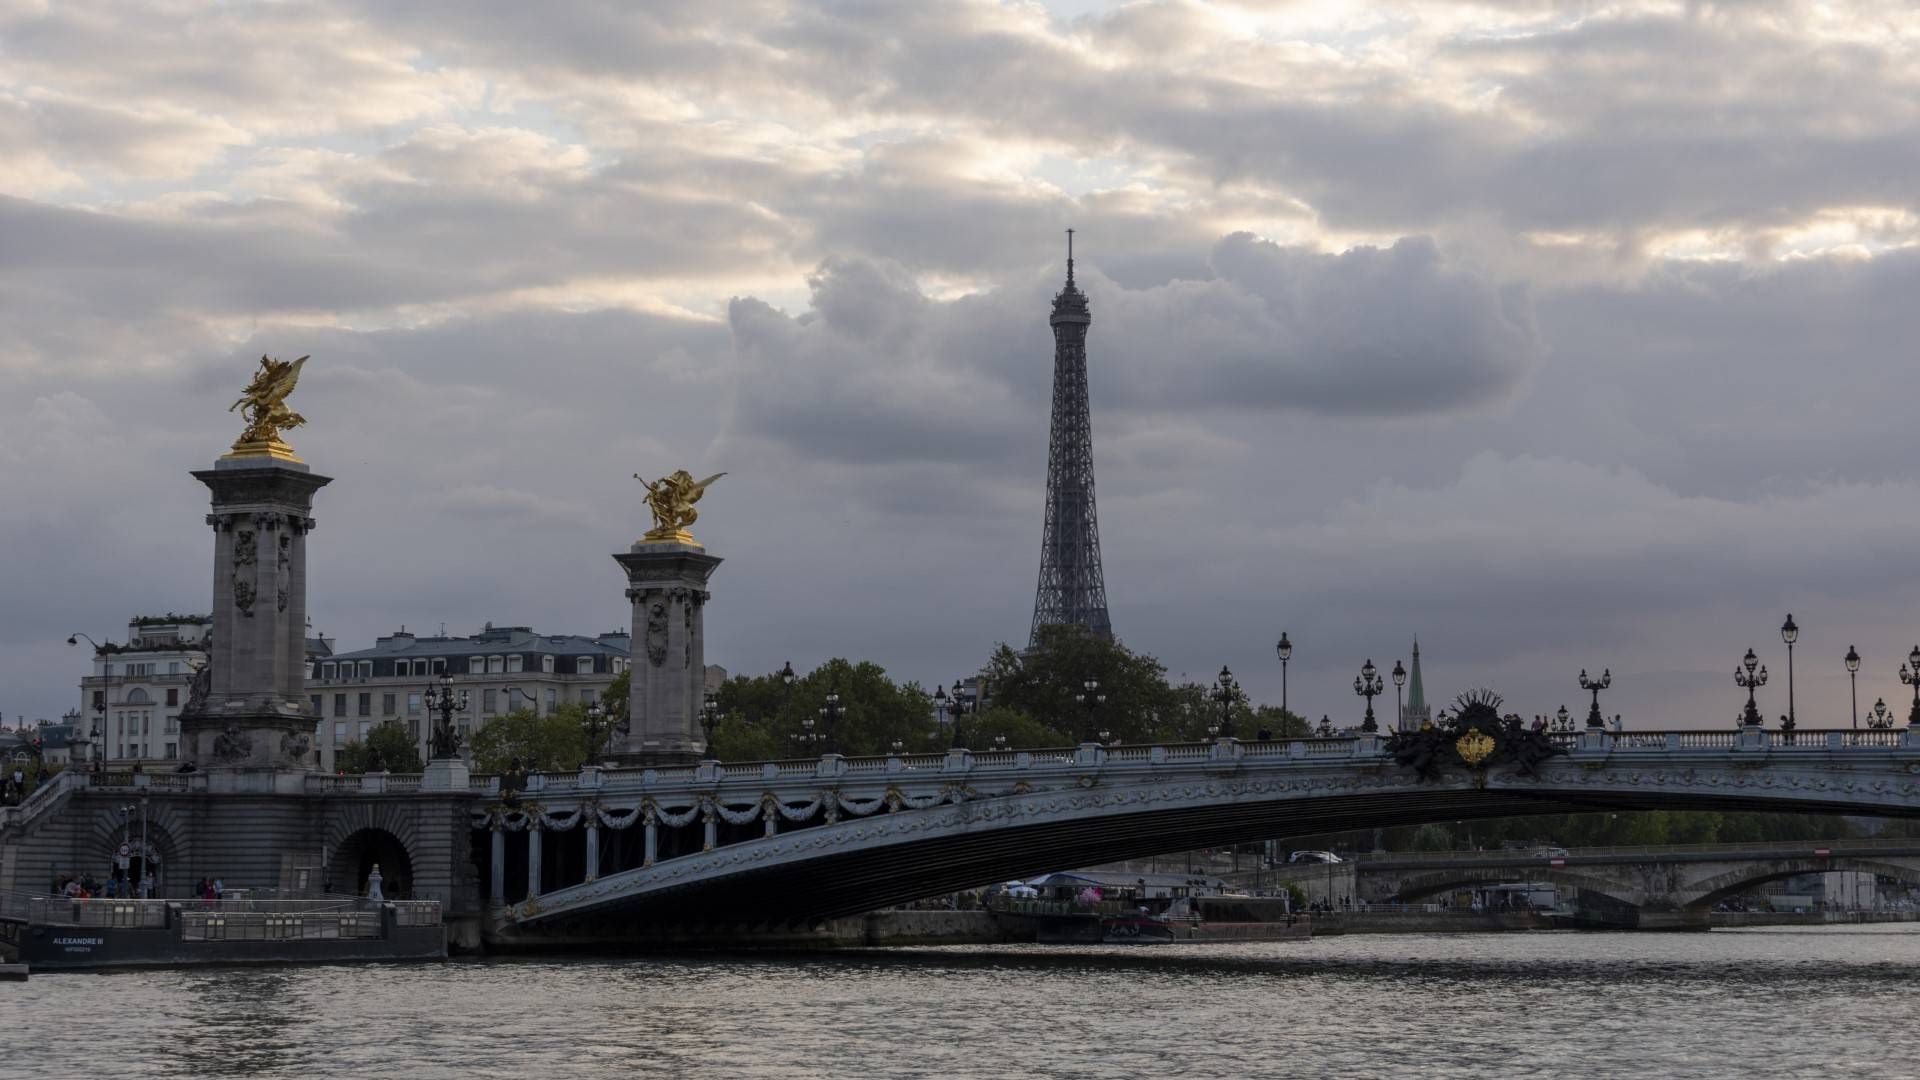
x,y
1285,651
99,732
594,725
445,739
1325,730
1789,633
1399,680
1225,692
1910,675
1852,660
709,716
963,707
1747,680
806,738
1562,720
1090,697
1594,720
1000,741
1368,684
1880,716
831,712
940,703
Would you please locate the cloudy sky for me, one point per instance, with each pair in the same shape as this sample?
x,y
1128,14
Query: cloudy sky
x,y
1561,335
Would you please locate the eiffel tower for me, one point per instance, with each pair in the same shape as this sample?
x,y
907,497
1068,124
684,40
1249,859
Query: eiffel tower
x,y
1072,590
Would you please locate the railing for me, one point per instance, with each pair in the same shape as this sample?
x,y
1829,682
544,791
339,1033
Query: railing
x,y
415,912
1708,740
66,911
289,926
43,797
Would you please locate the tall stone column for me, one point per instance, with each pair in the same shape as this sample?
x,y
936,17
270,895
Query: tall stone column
x,y
253,713
666,581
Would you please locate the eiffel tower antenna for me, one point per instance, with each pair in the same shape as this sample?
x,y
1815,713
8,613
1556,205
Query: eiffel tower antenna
x,y
1072,589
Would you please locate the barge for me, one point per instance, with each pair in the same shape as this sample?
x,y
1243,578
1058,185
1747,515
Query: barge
x,y
56,933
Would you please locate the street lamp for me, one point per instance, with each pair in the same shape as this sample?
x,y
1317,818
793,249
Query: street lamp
x,y
1368,684
1594,720
1226,693
806,738
1789,633
1852,660
1748,679
1880,716
1562,720
1000,741
596,729
1285,651
445,740
830,712
1091,697
1910,675
963,707
940,703
709,716
1399,680
100,704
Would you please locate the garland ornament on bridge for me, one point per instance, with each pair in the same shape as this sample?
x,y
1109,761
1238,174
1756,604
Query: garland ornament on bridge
x,y
1475,735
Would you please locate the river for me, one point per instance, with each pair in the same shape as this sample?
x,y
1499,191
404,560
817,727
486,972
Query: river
x,y
1835,1001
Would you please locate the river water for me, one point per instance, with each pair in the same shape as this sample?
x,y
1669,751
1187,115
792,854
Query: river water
x,y
1829,1002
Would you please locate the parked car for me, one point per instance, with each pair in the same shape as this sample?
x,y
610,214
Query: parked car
x,y
1314,857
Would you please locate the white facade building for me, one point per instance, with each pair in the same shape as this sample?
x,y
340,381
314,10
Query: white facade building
x,y
131,701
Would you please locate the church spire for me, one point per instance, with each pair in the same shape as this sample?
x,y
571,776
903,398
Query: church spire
x,y
1415,712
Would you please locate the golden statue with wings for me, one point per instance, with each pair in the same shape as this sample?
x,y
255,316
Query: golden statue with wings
x,y
671,499
264,405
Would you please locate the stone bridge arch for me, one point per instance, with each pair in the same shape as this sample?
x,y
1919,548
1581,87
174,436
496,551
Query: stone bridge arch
x,y
361,834
1709,890
1420,886
107,828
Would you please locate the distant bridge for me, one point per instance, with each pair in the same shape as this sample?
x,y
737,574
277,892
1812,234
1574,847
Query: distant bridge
x,y
606,852
1688,879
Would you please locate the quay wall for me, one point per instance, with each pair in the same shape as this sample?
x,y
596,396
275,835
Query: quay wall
x,y
1330,924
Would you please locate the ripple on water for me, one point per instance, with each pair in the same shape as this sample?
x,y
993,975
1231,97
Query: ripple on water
x,y
1743,1004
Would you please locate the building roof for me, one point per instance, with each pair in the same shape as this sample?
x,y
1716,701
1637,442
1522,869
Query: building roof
x,y
494,639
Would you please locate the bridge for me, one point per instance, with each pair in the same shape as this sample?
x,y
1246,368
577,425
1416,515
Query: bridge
x,y
609,852
1674,884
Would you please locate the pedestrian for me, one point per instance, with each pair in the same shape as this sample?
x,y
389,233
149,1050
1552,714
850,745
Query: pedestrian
x,y
219,890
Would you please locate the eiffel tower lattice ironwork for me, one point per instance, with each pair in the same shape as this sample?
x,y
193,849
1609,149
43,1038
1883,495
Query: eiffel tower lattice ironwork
x,y
1072,590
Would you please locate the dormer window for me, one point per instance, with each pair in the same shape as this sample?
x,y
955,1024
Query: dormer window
x,y
546,664
515,663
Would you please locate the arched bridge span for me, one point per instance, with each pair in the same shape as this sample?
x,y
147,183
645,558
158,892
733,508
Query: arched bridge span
x,y
782,841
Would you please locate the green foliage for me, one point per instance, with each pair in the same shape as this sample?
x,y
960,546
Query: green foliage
x,y
555,742
388,748
760,716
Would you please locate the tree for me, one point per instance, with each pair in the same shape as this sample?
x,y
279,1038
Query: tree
x,y
551,743
1046,681
388,748
760,716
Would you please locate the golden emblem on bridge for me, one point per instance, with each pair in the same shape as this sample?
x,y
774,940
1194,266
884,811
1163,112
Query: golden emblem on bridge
x,y
671,499
264,405
1474,747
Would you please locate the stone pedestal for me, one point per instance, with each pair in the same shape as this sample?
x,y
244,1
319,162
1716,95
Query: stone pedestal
x,y
445,774
667,583
254,714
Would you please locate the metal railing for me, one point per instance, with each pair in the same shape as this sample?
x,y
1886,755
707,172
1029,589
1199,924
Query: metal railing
x,y
1791,848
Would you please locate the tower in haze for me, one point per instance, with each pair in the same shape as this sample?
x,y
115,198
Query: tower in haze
x,y
1072,588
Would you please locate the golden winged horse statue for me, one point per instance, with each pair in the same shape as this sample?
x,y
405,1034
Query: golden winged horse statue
x,y
671,499
264,405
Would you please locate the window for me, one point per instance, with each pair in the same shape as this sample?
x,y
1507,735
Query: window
x,y
413,703
339,733
173,695
173,668
99,698
172,724
366,669
107,670
326,671
476,665
553,699
313,701
546,664
173,751
496,665
339,704
583,666
387,704
365,726
514,663
439,667
146,722
413,729
366,705
490,700
136,696
589,695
